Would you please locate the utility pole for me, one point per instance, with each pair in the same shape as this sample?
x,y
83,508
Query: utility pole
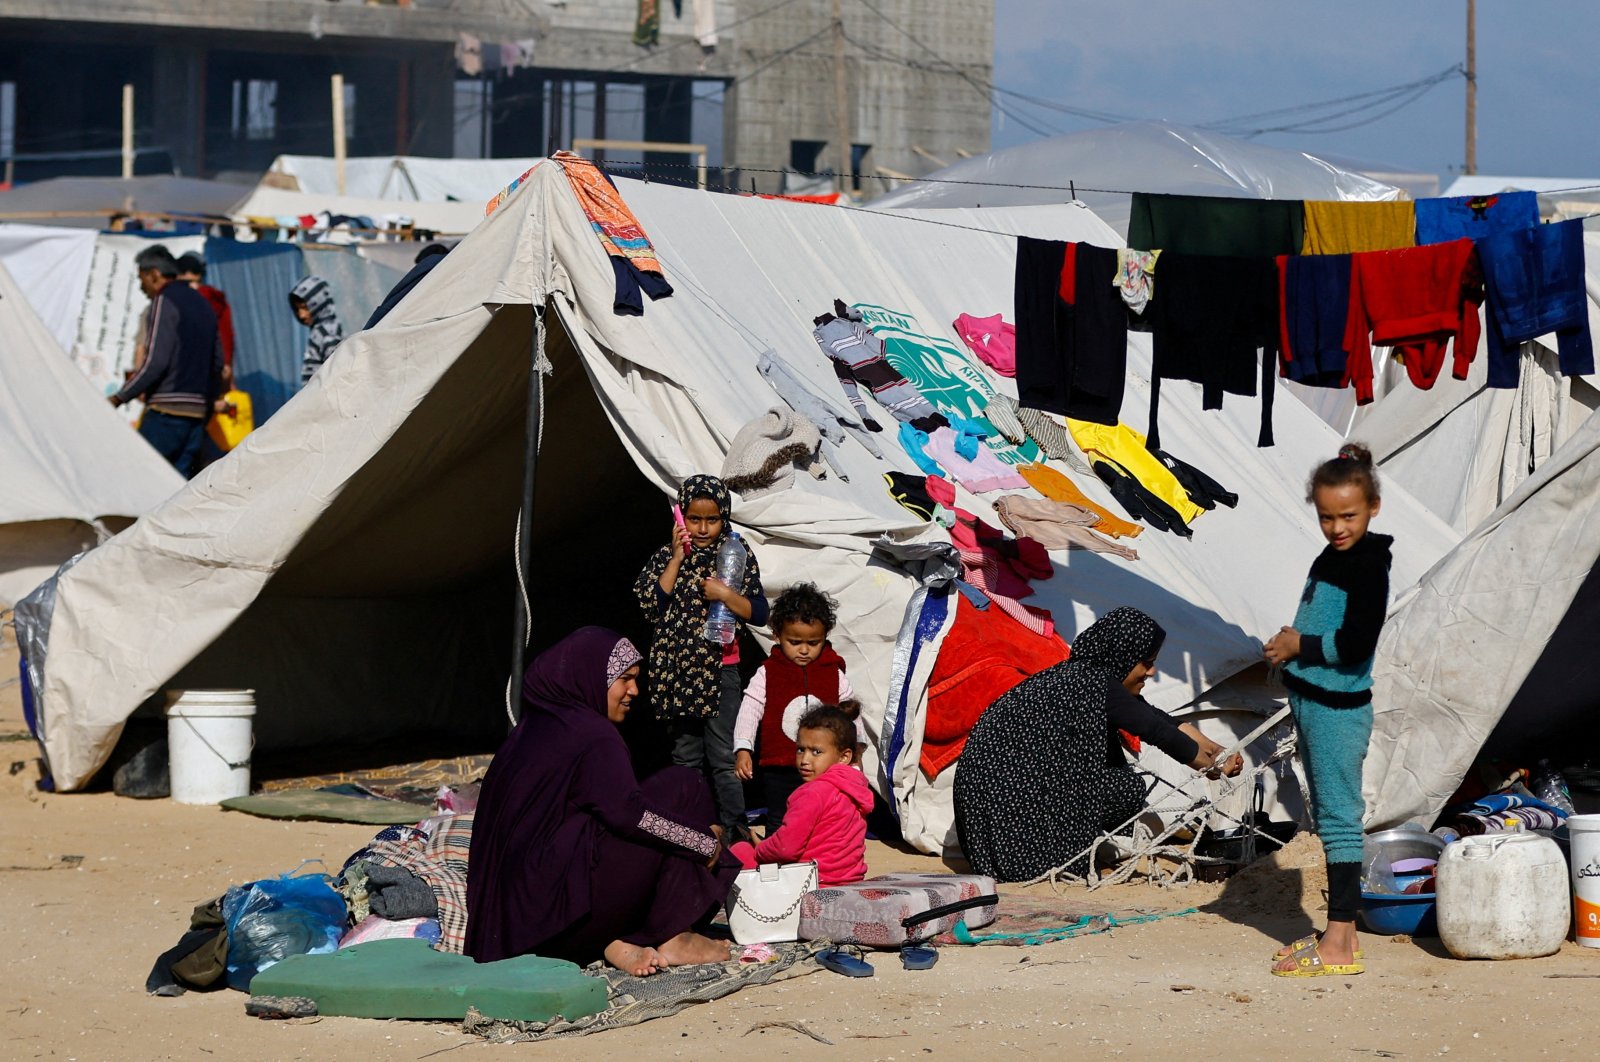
x,y
338,131
841,99
1472,88
127,131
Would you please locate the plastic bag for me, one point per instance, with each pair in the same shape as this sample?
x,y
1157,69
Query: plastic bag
x,y
271,919
1377,876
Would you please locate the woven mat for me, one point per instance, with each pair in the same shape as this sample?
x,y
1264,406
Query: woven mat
x,y
640,999
417,782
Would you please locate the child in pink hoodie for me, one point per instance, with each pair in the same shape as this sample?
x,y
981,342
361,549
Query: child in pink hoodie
x,y
827,816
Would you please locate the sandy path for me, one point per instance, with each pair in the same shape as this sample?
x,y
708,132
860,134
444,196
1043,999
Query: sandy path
x,y
82,937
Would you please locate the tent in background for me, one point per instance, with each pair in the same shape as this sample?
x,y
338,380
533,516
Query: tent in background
x,y
73,470
51,266
404,177
1138,156
89,202
352,559
449,218
1494,650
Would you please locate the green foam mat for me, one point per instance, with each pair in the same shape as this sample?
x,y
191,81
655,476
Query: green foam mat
x,y
408,979
328,807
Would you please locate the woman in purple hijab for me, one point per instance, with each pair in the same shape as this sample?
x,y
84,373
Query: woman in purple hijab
x,y
572,858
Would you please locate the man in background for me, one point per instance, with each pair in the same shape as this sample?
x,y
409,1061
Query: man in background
x,y
192,271
182,372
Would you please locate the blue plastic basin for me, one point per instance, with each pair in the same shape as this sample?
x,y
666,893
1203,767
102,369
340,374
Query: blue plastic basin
x,y
1411,915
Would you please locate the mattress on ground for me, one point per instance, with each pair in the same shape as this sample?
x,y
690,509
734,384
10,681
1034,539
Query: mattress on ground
x,y
408,979
870,912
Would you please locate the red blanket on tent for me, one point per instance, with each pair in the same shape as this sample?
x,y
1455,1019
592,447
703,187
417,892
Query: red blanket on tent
x,y
984,655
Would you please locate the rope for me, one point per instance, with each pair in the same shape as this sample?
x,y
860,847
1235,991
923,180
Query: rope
x,y
1085,926
543,367
1150,847
240,766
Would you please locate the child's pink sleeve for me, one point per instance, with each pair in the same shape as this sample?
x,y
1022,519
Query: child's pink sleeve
x,y
788,844
745,853
748,724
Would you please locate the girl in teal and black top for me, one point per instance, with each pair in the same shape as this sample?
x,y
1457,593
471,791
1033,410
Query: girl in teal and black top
x,y
1327,667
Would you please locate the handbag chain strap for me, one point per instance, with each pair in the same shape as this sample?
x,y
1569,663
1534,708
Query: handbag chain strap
x,y
769,919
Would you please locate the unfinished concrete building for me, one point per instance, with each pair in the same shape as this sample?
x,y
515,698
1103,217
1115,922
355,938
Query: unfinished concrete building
x,y
224,86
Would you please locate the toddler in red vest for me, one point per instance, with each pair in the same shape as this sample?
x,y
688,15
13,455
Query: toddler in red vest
x,y
827,815
802,672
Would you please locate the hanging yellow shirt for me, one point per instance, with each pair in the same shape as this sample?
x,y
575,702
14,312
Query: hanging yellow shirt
x,y
1125,447
1345,228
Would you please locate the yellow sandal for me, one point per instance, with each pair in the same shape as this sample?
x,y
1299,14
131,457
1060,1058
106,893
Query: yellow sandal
x,y
1308,963
1304,942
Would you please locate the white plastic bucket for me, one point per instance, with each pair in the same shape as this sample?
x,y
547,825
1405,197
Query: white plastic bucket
x,y
1583,833
209,738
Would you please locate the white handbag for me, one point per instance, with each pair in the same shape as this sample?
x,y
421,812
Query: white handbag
x,y
764,903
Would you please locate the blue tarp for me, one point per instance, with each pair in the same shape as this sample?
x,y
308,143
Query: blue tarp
x,y
270,343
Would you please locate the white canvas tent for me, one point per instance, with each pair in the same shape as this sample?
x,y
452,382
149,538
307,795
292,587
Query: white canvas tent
x,y
1495,646
1102,165
72,470
351,560
404,177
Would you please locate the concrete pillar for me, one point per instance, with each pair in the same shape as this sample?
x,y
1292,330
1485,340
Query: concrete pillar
x,y
432,112
669,116
519,128
178,105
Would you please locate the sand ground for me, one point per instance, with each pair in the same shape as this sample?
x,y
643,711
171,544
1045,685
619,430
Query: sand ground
x,y
96,886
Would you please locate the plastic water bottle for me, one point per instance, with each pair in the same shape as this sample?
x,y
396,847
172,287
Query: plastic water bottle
x,y
721,623
1549,786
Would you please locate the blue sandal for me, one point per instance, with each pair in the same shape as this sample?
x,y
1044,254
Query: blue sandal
x,y
841,961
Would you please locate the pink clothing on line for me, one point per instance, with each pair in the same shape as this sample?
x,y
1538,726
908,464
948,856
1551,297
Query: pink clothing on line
x,y
991,339
982,474
1002,568
826,822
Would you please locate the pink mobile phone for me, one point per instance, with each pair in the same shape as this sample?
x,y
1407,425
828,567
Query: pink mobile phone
x,y
677,515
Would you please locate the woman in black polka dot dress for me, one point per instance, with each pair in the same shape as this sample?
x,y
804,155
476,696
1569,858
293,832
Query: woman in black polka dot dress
x,y
1044,773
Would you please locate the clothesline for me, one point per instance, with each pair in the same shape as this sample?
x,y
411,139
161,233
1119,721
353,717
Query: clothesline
x,y
1070,186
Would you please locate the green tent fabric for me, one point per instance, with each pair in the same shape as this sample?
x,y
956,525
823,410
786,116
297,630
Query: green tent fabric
x,y
328,807
408,979
1203,224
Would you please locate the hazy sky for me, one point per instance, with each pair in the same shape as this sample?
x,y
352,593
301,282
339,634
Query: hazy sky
x,y
1188,62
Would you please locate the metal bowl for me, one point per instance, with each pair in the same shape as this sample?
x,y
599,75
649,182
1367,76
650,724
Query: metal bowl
x,y
1402,844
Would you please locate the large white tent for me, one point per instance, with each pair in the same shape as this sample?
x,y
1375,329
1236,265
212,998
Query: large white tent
x,y
1495,645
72,470
404,177
352,559
1100,166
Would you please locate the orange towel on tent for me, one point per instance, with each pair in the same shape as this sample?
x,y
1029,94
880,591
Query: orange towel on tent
x,y
984,655
1057,487
1345,228
620,232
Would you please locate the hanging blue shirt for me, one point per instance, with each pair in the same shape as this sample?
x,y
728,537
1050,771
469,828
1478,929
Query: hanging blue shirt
x,y
1533,284
1475,216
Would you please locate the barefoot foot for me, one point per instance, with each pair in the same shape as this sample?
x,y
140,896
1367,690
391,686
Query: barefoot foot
x,y
633,959
692,949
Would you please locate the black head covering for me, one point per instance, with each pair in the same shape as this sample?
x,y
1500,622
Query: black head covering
x,y
1118,640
